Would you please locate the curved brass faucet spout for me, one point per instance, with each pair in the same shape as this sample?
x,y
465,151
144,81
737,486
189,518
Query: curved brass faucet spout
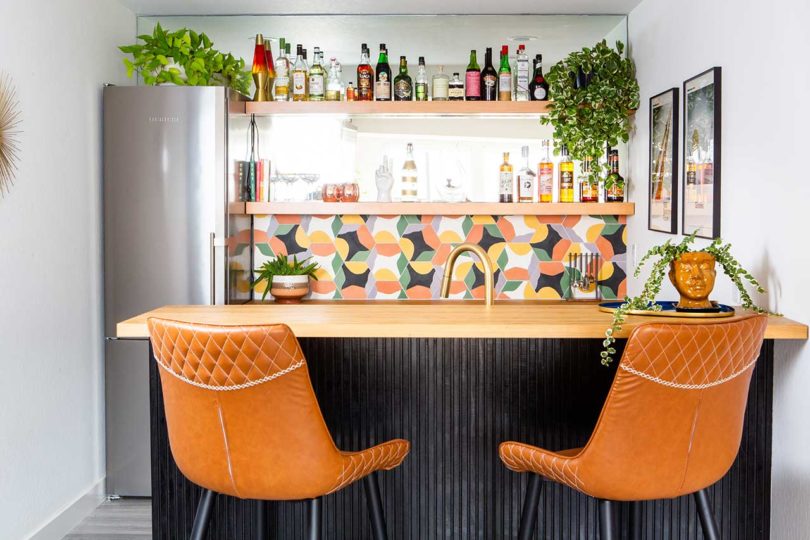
x,y
488,273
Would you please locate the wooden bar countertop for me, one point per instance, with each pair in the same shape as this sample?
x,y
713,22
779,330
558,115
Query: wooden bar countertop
x,y
428,319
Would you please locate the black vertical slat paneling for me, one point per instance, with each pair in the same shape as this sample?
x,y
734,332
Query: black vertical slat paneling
x,y
456,400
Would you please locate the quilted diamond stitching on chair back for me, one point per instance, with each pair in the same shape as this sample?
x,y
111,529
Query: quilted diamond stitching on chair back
x,y
224,356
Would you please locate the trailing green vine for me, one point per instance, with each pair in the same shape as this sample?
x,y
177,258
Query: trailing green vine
x,y
667,253
594,92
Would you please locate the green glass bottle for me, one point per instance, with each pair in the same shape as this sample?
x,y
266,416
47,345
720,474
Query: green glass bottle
x,y
472,80
505,76
403,85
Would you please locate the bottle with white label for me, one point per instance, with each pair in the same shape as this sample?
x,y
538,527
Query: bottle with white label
x,y
506,181
441,85
526,179
299,76
281,90
522,75
317,77
505,76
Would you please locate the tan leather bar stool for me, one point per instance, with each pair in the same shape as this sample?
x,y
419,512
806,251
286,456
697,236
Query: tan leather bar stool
x,y
671,424
243,421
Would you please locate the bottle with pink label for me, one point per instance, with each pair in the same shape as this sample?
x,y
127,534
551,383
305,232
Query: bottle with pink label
x,y
472,81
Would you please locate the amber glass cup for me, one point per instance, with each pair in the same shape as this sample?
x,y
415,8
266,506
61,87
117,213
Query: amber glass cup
x,y
329,193
351,193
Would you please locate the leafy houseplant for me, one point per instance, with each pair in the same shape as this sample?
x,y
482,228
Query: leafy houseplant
x,y
669,253
184,58
288,280
595,93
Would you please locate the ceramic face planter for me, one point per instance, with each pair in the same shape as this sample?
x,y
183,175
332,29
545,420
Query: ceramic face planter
x,y
693,276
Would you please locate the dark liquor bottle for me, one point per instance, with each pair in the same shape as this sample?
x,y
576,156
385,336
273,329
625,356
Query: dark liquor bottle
x,y
382,86
505,76
538,88
456,88
614,183
403,85
489,79
365,77
472,80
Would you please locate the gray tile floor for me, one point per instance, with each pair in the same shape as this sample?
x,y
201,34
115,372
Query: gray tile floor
x,y
122,519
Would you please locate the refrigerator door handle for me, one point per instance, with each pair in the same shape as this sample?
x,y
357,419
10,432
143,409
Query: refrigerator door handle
x,y
213,263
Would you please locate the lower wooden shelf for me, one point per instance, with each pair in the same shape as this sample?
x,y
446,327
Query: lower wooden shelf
x,y
441,208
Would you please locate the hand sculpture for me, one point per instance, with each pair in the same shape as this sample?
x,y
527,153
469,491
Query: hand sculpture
x,y
384,179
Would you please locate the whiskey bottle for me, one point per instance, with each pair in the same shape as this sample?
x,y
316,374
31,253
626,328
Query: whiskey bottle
x,y
409,186
545,175
566,176
505,76
526,179
299,76
538,88
489,78
588,184
334,86
614,183
382,84
522,75
421,81
456,88
365,77
506,181
441,85
351,93
403,85
317,77
472,79
282,83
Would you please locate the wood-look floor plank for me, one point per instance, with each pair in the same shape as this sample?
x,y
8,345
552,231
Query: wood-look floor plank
x,y
123,519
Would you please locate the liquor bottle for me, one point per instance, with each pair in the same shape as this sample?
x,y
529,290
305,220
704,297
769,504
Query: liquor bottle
x,y
334,86
299,75
522,75
545,175
421,81
290,55
506,181
271,69
365,77
382,84
538,88
259,70
403,85
566,176
441,85
614,183
282,84
588,184
489,78
456,88
505,76
351,93
526,179
409,186
317,77
472,80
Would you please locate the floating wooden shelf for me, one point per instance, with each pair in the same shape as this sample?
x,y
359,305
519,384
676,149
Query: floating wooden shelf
x,y
442,208
396,108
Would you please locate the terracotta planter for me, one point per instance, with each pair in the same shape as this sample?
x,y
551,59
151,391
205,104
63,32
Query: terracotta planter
x,y
289,289
693,276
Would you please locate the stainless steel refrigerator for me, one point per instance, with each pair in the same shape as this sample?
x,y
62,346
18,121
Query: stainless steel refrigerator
x,y
165,225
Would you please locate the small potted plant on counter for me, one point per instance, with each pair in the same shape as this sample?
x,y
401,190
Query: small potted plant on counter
x,y
184,58
692,272
287,280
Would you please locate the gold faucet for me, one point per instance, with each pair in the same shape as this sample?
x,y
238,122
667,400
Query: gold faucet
x,y
488,273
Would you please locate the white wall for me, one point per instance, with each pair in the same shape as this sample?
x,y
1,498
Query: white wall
x,y
59,53
762,49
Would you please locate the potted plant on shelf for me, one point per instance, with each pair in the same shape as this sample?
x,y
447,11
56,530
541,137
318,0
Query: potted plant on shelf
x,y
692,272
594,93
287,280
184,58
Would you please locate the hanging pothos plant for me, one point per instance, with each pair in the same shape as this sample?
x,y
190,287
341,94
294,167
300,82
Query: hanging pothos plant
x,y
668,253
594,93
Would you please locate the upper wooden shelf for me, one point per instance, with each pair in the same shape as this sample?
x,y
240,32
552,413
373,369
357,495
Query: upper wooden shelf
x,y
441,208
395,108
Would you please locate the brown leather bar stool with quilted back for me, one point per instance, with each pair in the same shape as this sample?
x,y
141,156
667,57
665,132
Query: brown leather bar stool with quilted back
x,y
671,424
244,421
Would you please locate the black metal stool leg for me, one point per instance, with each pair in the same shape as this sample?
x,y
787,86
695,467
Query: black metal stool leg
x,y
315,519
261,520
529,515
606,527
375,509
635,520
203,515
710,530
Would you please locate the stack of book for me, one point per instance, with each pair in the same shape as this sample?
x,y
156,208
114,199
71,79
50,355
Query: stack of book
x,y
253,180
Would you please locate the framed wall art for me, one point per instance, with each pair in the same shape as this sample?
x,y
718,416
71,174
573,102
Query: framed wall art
x,y
701,154
662,211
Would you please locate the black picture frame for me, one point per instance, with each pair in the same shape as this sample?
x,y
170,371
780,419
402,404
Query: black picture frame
x,y
659,199
702,114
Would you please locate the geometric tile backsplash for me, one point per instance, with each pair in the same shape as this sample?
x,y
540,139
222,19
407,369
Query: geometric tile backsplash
x,y
402,257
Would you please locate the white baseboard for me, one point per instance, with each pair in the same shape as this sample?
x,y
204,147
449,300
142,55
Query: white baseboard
x,y
66,519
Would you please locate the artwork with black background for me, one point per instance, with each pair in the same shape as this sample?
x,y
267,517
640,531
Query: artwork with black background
x,y
663,202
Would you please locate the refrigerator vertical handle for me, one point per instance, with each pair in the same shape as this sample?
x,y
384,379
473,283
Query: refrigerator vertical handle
x,y
212,271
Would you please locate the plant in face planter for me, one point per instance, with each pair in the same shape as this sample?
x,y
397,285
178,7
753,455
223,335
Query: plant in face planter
x,y
184,58
594,93
287,280
693,274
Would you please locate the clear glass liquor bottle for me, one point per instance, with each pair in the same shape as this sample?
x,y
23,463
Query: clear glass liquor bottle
x,y
282,65
409,184
441,85
299,76
506,181
545,175
421,81
522,75
526,179
334,86
317,77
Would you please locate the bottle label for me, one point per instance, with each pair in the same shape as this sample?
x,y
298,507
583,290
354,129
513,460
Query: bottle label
x,y
316,85
490,87
299,83
403,90
364,85
456,92
421,91
281,70
566,180
505,86
473,82
440,87
525,187
383,87
540,93
545,179
506,187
